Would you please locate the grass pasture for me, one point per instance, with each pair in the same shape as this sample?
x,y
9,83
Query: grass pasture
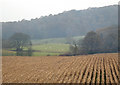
x,y
59,48
52,49
6,52
46,47
55,40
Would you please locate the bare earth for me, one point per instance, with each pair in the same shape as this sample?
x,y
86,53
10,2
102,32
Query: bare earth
x,y
96,68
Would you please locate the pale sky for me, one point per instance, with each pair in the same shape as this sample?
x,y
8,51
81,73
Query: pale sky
x,y
14,10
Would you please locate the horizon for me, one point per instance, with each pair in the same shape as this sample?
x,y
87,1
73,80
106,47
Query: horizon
x,y
15,12
55,14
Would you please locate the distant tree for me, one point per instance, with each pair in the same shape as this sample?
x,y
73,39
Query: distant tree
x,y
111,43
20,41
110,38
91,43
74,48
30,49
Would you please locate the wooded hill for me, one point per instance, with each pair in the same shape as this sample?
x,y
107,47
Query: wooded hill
x,y
67,24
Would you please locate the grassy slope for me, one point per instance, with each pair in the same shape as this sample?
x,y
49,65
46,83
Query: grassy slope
x,y
55,40
50,49
44,47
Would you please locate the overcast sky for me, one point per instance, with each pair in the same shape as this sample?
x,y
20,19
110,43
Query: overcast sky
x,y
14,10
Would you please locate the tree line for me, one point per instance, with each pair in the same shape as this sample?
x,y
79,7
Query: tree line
x,y
95,43
101,41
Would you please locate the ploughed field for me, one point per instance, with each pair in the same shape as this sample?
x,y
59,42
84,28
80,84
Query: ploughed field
x,y
97,68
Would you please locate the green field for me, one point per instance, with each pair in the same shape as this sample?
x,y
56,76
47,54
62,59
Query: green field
x,y
56,40
44,50
5,52
46,47
50,49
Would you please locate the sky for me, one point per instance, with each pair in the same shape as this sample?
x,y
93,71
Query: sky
x,y
15,10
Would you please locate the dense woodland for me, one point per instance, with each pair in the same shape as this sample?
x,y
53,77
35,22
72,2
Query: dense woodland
x,y
102,41
66,24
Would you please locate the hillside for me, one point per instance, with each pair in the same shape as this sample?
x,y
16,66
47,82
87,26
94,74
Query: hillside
x,y
108,30
66,40
67,24
109,38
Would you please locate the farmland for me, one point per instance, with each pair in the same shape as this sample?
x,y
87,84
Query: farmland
x,y
97,68
56,40
43,50
45,47
50,49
